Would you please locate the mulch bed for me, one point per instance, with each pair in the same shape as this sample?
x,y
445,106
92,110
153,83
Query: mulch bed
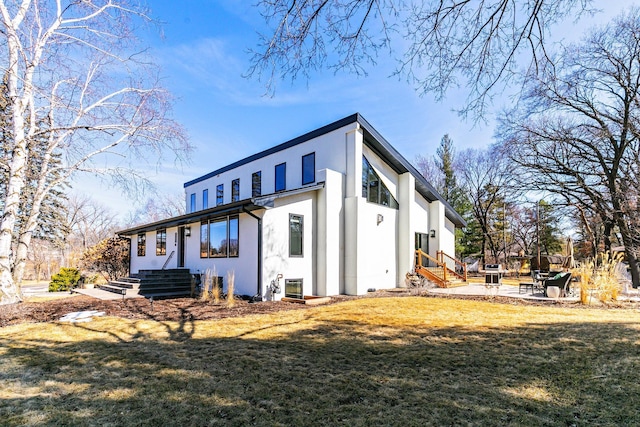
x,y
181,309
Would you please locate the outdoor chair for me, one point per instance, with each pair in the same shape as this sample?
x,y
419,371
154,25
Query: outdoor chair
x,y
561,280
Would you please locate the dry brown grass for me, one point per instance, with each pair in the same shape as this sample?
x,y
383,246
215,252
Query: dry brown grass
x,y
380,361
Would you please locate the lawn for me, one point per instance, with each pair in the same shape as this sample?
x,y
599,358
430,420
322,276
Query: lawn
x,y
378,361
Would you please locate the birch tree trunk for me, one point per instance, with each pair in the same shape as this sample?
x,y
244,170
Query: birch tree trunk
x,y
78,89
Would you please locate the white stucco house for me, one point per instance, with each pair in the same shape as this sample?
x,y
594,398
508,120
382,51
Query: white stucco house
x,y
335,211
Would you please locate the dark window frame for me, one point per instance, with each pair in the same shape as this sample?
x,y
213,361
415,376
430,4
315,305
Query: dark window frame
x,y
224,248
235,190
204,239
219,194
256,184
373,189
161,242
230,250
192,202
305,159
205,198
288,287
283,168
142,244
291,236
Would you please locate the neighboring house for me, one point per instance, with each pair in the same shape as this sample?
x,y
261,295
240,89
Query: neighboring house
x,y
335,211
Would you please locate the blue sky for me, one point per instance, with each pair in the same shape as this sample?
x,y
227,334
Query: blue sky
x,y
202,48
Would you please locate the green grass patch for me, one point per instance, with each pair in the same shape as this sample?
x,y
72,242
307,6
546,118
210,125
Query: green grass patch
x,y
380,361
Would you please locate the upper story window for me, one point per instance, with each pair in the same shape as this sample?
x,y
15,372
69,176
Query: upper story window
x,y
373,189
192,202
256,184
161,242
205,199
281,177
235,190
219,194
142,244
308,168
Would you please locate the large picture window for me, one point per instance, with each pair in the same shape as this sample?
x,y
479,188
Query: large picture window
x,y
219,194
373,189
296,232
161,242
235,190
281,177
142,244
308,168
219,238
256,184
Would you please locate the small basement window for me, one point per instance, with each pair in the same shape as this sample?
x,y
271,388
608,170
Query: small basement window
x,y
293,288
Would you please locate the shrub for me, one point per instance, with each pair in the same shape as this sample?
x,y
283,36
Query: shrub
x,y
110,257
66,279
231,278
601,278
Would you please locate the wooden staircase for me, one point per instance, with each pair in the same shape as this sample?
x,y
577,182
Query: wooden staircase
x,y
438,270
153,283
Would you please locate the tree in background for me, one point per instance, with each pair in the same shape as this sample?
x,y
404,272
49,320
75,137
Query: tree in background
x,y
156,208
78,91
575,133
485,179
446,44
441,170
110,258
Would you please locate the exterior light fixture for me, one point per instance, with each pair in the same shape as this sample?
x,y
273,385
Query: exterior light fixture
x,y
380,219
187,231
433,233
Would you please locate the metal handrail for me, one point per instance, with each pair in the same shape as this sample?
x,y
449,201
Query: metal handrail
x,y
168,259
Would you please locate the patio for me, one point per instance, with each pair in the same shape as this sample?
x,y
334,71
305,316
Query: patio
x,y
504,290
511,288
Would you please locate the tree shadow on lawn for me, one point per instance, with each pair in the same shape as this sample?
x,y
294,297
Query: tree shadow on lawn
x,y
332,373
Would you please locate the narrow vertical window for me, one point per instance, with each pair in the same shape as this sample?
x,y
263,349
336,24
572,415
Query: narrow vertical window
x,y
256,184
161,242
296,233
233,236
281,177
219,194
235,190
205,199
308,168
142,244
192,202
204,239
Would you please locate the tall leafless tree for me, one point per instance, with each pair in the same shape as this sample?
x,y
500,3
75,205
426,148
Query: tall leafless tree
x,y
577,132
78,83
443,44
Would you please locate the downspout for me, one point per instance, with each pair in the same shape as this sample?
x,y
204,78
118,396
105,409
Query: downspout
x,y
259,287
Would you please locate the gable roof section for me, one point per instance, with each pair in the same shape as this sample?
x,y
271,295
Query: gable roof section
x,y
373,140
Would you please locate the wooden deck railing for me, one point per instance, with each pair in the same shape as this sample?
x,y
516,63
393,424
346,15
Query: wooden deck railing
x,y
437,272
443,257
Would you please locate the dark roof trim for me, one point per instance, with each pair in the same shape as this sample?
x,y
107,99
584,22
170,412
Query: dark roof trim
x,y
299,140
228,209
373,140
